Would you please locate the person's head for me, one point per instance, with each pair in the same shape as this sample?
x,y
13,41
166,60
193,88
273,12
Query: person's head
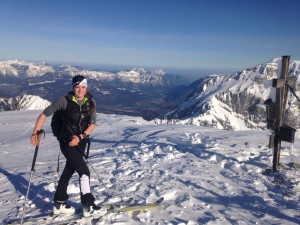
x,y
79,83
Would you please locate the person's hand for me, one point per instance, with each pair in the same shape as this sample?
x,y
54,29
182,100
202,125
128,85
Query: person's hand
x,y
75,141
34,139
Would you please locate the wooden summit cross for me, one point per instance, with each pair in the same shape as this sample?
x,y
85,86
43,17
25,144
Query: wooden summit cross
x,y
276,111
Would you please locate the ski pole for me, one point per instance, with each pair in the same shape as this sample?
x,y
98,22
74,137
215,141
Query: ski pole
x,y
99,178
85,156
57,169
39,134
86,159
93,168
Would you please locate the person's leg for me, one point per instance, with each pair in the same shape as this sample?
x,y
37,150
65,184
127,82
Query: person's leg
x,y
61,196
61,191
87,199
75,161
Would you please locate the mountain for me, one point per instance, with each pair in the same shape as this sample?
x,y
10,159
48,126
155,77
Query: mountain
x,y
23,102
236,101
19,69
23,69
136,92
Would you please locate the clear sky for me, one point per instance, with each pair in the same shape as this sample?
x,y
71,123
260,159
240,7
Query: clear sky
x,y
174,35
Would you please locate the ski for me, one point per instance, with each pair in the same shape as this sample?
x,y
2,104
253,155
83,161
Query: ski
x,y
119,204
60,218
139,207
123,207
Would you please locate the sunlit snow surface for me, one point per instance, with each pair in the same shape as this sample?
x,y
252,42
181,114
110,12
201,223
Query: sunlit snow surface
x,y
207,176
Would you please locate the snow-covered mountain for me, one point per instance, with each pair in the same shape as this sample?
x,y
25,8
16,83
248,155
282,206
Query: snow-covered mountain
x,y
226,101
23,102
136,92
236,101
24,69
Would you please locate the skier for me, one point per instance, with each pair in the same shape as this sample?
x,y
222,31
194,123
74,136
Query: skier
x,y
78,110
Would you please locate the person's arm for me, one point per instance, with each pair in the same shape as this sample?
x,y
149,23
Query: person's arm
x,y
89,130
38,126
93,119
57,105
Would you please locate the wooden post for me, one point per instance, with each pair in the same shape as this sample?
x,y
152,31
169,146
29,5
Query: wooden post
x,y
281,99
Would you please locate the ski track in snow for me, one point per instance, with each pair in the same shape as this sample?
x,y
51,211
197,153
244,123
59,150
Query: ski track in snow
x,y
206,176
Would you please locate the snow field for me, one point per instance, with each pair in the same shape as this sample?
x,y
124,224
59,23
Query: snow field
x,y
206,176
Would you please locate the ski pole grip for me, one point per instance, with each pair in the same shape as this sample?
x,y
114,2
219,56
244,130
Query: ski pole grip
x,y
39,134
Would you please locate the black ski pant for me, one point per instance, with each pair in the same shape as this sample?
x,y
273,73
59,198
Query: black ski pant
x,y
74,163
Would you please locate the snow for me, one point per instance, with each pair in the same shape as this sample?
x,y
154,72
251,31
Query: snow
x,y
236,101
23,69
206,175
44,82
224,113
8,68
32,102
26,102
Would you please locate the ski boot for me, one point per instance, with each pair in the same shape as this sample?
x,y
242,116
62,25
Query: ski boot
x,y
62,208
93,211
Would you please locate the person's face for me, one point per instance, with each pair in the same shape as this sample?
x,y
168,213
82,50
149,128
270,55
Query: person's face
x,y
80,91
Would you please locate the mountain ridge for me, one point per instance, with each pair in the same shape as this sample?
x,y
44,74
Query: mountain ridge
x,y
23,102
235,101
24,69
136,92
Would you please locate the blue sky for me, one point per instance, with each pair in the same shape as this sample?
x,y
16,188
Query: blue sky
x,y
183,36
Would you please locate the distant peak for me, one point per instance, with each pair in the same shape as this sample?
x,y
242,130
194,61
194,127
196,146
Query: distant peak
x,y
139,70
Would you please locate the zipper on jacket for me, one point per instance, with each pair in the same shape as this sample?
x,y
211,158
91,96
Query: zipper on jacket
x,y
81,117
80,111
